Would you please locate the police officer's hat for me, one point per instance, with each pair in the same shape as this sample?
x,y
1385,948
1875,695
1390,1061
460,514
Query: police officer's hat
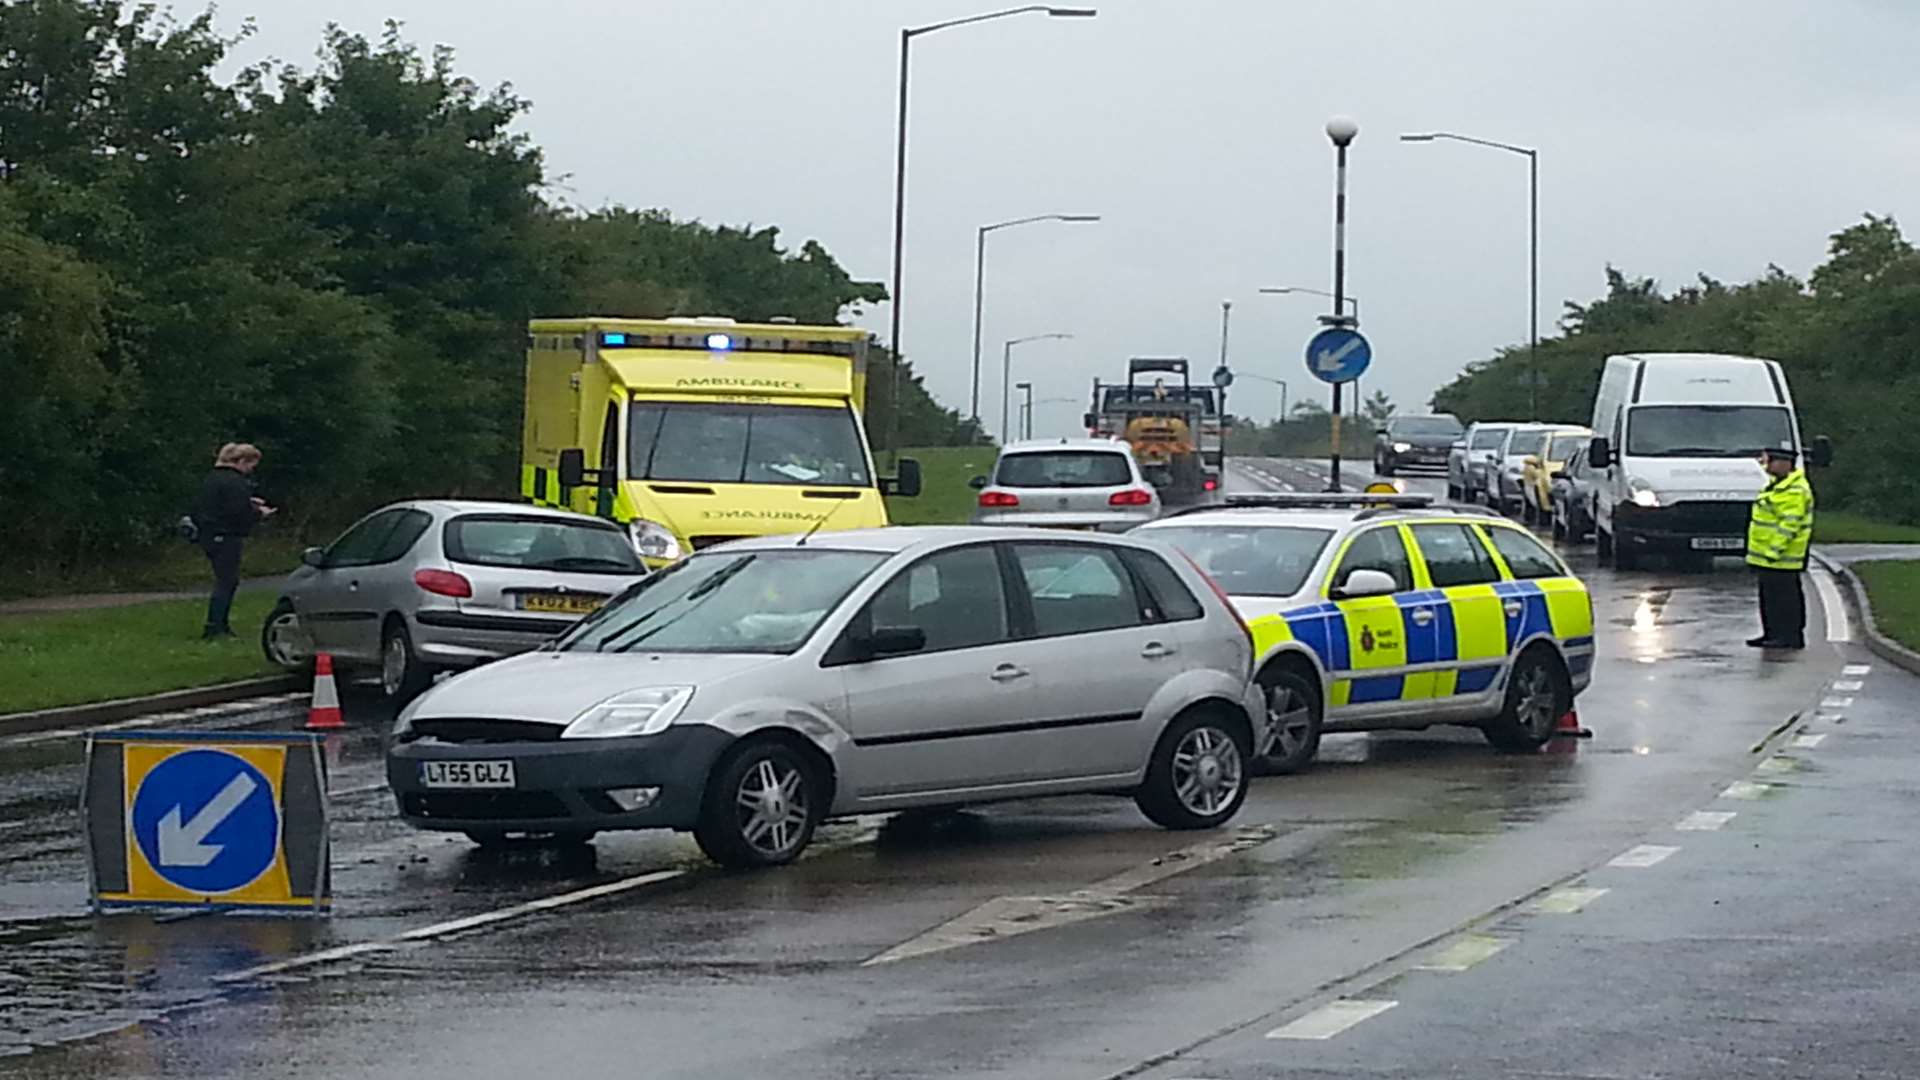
x,y
1783,452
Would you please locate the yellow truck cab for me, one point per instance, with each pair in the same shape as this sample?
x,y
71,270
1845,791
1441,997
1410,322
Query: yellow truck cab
x,y
695,431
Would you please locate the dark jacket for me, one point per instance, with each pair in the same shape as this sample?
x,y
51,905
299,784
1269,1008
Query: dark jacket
x,y
224,506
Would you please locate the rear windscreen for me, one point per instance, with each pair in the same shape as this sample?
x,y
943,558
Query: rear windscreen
x,y
1064,469
1488,438
540,543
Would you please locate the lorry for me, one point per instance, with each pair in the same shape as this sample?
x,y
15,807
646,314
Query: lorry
x,y
1104,421
1163,424
695,431
1675,452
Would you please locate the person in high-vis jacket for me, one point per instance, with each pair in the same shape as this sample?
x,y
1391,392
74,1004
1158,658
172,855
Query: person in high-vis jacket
x,y
1778,535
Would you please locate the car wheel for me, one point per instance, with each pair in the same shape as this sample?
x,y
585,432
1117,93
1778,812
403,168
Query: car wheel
x,y
1197,777
402,675
1383,467
1559,526
1294,716
1625,557
1538,695
1603,545
761,806
285,642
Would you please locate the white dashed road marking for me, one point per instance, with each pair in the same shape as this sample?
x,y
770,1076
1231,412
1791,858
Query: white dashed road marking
x,y
1848,686
1807,742
1463,953
1643,856
1774,766
1746,789
1567,901
1857,670
1705,820
1836,703
1331,1019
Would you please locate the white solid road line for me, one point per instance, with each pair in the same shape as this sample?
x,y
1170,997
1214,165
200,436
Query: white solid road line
x,y
454,926
1641,857
1567,901
1331,1019
1705,820
1839,624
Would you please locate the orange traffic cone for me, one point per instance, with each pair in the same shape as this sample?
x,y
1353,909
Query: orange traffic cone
x,y
1570,728
324,712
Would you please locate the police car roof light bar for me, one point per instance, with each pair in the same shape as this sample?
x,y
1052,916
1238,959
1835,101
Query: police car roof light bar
x,y
1329,499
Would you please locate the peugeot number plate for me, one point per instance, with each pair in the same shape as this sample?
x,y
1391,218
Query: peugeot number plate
x,y
466,774
1718,543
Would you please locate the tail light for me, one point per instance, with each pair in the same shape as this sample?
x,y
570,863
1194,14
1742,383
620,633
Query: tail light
x,y
1131,497
443,583
999,499
1210,484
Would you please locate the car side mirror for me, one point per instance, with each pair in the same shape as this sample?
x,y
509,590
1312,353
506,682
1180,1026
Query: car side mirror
x,y
977,483
1457,444
1599,452
573,468
1365,582
1820,454
1090,420
906,479
314,557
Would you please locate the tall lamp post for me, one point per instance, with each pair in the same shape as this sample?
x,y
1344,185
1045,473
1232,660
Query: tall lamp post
x,y
1026,409
1341,130
1352,301
979,283
907,34
1281,383
1006,369
1533,249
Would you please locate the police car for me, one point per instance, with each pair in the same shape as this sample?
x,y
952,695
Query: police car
x,y
1376,611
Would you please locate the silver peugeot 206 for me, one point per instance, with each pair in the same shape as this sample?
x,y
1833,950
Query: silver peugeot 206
x,y
757,688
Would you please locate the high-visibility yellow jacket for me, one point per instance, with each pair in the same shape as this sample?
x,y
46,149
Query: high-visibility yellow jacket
x,y
1782,524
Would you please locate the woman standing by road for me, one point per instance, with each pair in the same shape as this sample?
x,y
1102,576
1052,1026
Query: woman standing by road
x,y
225,512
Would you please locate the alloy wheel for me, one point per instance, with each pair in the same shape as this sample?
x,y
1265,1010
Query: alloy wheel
x,y
1207,771
772,805
1290,719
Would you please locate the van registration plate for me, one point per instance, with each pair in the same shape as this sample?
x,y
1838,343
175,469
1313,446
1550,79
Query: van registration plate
x,y
1718,543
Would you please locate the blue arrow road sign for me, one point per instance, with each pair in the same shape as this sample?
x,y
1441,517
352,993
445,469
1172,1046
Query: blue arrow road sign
x,y
206,821
1338,355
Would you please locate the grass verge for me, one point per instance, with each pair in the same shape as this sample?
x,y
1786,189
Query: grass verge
x,y
80,657
1893,587
175,565
1847,527
945,498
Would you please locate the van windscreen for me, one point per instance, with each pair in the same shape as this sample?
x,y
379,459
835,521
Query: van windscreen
x,y
727,443
1730,431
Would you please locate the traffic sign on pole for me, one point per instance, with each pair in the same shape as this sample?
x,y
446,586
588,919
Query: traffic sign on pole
x,y
1338,355
207,820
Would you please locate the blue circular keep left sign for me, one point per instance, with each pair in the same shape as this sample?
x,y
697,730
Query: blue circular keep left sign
x,y
206,821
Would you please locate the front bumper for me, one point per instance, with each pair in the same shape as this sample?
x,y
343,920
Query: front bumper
x,y
560,785
1675,526
1417,458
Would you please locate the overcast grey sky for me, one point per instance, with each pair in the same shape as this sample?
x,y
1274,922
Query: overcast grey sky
x,y
1676,136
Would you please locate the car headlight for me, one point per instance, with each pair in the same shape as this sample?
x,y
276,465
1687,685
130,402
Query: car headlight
x,y
1401,448
636,712
1642,492
404,722
653,540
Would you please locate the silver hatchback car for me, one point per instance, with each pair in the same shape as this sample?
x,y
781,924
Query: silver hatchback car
x,y
435,584
757,688
1091,484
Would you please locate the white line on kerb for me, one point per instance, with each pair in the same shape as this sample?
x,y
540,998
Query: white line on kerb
x,y
1839,624
1705,820
1643,856
1331,1019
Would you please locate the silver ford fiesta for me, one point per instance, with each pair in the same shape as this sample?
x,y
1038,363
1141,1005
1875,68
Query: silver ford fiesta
x,y
757,688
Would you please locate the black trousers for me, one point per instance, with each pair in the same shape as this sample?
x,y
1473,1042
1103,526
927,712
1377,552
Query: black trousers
x,y
1783,606
223,552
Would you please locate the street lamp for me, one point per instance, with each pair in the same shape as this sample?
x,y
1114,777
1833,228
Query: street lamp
x,y
1006,369
1026,410
1280,290
907,34
979,283
1533,249
1281,383
1341,131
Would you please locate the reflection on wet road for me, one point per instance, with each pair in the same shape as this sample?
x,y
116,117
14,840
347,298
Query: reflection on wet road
x,y
1054,938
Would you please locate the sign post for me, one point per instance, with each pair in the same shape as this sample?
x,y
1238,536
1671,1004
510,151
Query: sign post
x,y
229,821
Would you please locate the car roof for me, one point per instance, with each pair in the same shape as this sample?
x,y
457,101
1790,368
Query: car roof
x,y
894,539
458,507
1030,446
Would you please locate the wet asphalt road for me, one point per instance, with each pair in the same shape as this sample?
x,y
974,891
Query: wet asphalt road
x,y
1066,938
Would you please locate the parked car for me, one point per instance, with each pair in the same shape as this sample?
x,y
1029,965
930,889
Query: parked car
x,y
1538,470
1506,480
437,584
1404,615
1469,457
1571,499
1066,484
764,685
1408,442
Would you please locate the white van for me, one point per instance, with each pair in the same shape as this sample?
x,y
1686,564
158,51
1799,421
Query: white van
x,y
1675,453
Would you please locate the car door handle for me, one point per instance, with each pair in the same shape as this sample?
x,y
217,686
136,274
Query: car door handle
x,y
1513,607
1422,615
1156,651
1009,672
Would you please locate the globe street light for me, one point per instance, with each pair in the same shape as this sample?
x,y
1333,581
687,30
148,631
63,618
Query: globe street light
x,y
979,284
1006,369
907,34
1533,249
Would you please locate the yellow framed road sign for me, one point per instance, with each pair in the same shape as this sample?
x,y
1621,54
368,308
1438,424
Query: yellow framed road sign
x,y
224,820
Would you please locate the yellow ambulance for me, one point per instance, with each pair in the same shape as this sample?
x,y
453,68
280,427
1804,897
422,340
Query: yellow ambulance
x,y
695,431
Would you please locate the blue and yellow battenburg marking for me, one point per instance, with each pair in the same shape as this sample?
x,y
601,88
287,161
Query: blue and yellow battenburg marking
x,y
1432,643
